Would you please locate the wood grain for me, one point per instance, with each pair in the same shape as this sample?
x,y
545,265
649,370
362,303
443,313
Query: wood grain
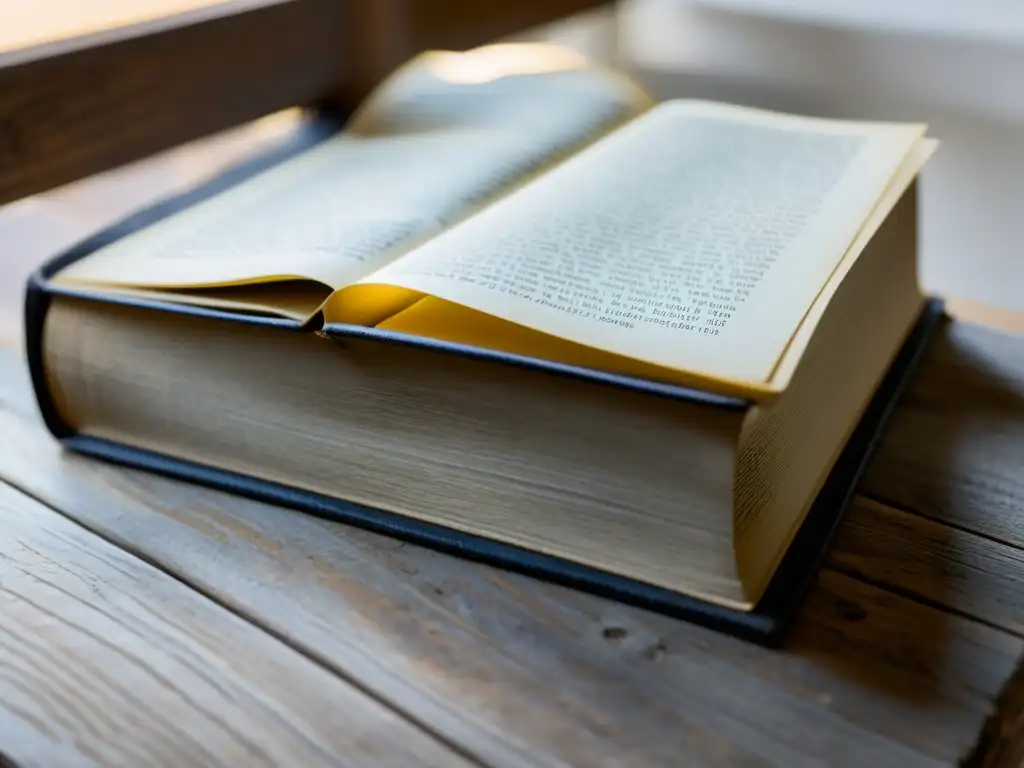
x,y
23,25
955,450
74,108
946,566
1002,742
518,671
106,661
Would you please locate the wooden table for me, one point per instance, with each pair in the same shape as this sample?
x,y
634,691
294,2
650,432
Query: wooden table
x,y
147,622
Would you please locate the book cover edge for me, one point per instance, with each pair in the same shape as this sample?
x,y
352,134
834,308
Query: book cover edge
x,y
317,130
767,624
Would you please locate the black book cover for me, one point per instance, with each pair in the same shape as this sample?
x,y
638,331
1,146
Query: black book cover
x,y
765,624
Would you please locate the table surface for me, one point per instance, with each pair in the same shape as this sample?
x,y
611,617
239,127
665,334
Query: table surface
x,y
148,622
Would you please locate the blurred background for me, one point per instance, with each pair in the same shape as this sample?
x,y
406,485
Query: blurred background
x,y
957,65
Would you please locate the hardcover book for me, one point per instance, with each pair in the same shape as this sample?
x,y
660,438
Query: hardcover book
x,y
515,309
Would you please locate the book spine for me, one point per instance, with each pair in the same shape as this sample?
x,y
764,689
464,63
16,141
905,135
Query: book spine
x,y
37,304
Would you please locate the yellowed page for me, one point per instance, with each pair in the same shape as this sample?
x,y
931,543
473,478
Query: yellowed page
x,y
292,300
901,181
447,133
696,237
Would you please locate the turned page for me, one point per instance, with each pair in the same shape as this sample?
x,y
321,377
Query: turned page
x,y
446,133
694,238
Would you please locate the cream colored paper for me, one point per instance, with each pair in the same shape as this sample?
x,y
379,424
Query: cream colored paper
x,y
696,237
431,145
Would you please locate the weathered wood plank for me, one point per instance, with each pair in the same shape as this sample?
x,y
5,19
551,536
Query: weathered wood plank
x,y
955,450
73,108
105,660
932,561
519,671
1002,743
23,25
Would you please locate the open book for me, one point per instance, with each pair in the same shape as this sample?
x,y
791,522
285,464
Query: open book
x,y
517,300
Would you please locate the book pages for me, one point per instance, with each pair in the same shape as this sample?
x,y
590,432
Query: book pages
x,y
425,151
696,237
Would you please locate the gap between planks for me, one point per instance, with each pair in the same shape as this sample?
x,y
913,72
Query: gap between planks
x,y
107,661
903,509
890,641
915,597
6,485
954,451
896,647
890,644
954,568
